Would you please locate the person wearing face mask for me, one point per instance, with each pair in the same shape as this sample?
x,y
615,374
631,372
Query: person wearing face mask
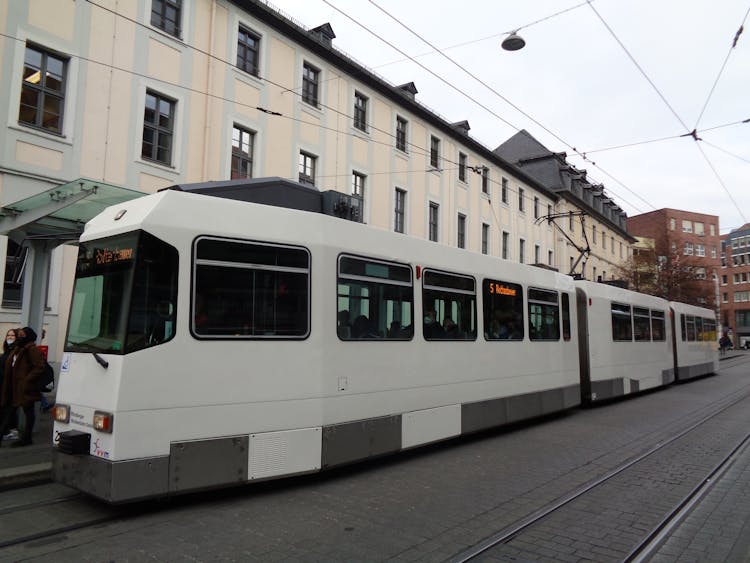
x,y
23,367
8,345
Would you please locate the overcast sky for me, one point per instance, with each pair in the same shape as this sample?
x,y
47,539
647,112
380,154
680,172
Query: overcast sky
x,y
577,85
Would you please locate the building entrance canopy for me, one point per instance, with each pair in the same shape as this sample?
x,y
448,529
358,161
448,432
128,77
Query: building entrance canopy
x,y
44,221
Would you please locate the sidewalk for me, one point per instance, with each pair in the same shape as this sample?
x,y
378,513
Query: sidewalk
x,y
28,464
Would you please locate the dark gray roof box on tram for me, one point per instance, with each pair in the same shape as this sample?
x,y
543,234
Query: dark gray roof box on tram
x,y
280,192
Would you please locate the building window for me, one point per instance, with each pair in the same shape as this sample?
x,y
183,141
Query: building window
x,y
504,194
462,167
307,168
461,231
723,280
593,234
434,152
620,250
522,251
571,223
242,153
536,207
485,238
506,246
433,219
485,180
688,249
360,111
248,51
521,202
687,226
401,129
42,90
310,77
358,184
158,128
399,209
537,254
712,230
700,250
713,252
549,210
612,244
571,264
604,239
672,223
594,274
699,228
549,258
725,298
165,14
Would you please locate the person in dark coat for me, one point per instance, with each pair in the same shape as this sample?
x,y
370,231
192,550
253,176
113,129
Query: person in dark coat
x,y
23,368
8,345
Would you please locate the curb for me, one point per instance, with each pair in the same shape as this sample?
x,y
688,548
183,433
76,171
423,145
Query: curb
x,y
26,475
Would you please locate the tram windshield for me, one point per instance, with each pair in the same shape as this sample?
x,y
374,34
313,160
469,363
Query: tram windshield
x,y
124,296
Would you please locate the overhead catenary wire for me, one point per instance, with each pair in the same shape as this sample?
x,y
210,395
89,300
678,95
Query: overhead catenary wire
x,y
721,70
490,88
690,133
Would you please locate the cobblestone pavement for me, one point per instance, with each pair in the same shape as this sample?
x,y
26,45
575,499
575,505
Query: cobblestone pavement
x,y
432,503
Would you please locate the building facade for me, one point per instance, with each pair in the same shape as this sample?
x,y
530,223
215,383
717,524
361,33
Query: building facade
x,y
152,93
689,238
586,216
735,285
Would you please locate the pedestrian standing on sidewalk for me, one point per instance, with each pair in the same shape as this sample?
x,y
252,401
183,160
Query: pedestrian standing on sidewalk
x,y
23,368
8,345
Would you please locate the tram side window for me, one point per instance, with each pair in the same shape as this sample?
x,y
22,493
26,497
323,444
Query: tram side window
x,y
622,323
690,327
246,289
544,315
503,310
641,324
658,332
450,306
375,300
699,329
565,316
683,327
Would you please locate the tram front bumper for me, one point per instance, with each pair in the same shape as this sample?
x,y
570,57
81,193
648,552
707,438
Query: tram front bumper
x,y
112,481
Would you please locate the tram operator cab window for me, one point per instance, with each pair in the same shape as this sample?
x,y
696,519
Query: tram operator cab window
x,y
449,304
124,294
544,315
250,290
375,300
503,310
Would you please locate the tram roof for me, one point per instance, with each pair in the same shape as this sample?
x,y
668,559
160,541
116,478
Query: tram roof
x,y
275,191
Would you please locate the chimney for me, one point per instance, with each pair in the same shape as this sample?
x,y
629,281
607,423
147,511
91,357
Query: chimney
x,y
409,89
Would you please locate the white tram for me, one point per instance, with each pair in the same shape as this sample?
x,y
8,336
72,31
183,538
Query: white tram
x,y
214,342
696,341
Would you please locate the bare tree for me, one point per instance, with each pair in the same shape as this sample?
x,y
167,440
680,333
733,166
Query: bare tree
x,y
664,271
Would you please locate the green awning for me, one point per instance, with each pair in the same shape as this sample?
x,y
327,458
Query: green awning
x,y
61,212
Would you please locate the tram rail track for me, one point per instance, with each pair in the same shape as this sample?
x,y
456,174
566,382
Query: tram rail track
x,y
653,539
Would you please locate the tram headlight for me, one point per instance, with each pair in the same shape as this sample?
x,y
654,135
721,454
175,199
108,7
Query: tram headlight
x,y
61,413
103,421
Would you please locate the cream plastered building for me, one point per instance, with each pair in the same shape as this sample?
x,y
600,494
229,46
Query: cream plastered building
x,y
145,94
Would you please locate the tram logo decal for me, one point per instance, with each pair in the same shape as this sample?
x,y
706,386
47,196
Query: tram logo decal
x,y
96,449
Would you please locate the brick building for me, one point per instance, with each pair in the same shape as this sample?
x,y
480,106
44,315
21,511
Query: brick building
x,y
735,284
688,237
